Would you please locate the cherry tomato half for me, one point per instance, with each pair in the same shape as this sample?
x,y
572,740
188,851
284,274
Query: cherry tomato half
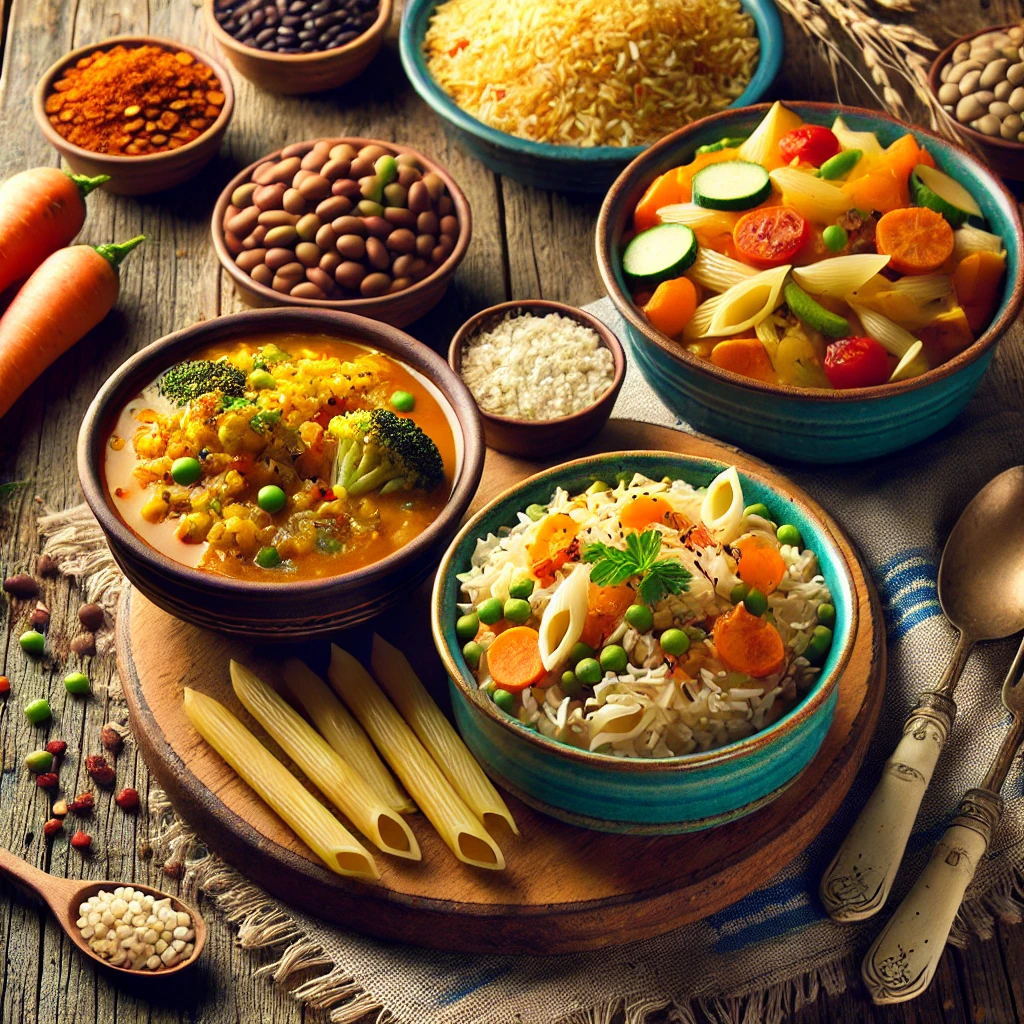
x,y
812,144
770,236
856,363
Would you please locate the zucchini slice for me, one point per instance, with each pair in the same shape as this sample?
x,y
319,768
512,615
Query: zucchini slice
x,y
731,185
937,191
804,308
659,253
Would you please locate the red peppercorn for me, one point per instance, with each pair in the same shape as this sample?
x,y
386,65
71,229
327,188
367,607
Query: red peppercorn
x,y
127,799
81,841
56,747
48,780
53,826
111,738
82,804
5,686
97,767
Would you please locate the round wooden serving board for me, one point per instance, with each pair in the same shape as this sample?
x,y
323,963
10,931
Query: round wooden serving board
x,y
565,888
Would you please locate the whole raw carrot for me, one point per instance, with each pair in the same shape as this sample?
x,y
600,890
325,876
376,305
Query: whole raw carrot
x,y
67,296
41,211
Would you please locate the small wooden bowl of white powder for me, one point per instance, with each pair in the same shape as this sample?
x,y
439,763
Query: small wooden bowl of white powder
x,y
544,375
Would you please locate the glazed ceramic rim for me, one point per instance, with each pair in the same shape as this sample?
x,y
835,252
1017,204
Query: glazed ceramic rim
x,y
581,316
45,87
606,259
741,748
768,25
146,364
978,138
309,61
371,306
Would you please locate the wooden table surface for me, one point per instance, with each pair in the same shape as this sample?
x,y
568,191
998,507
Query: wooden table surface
x,y
525,244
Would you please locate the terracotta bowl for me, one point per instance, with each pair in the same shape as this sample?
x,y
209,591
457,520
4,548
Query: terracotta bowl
x,y
304,608
542,437
302,72
398,309
1004,157
137,175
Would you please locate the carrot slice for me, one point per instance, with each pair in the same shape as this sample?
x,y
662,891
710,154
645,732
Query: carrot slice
x,y
760,564
671,306
549,550
747,643
605,608
514,659
663,191
643,510
745,356
916,240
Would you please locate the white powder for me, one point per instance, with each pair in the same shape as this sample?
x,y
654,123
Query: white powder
x,y
537,367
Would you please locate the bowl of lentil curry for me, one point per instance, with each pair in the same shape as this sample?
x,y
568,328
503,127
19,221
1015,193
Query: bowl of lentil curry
x,y
280,474
149,112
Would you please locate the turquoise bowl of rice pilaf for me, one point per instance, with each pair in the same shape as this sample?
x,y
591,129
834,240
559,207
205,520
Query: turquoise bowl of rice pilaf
x,y
562,168
634,794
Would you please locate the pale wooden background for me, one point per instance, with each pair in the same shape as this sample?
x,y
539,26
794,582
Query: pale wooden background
x,y
526,244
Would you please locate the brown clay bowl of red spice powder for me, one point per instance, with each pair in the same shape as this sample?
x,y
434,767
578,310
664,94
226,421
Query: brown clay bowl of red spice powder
x,y
149,112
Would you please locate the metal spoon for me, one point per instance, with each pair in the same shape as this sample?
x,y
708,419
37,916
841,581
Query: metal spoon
x,y
901,962
65,895
981,590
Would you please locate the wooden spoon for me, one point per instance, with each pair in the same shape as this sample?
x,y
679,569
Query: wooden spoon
x,y
65,895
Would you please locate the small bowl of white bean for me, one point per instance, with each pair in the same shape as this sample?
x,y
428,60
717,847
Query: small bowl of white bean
x,y
544,375
979,80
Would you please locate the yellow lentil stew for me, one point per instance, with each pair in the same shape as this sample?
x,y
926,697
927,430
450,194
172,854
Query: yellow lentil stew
x,y
281,457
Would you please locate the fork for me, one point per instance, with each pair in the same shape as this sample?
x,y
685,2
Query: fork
x,y
902,961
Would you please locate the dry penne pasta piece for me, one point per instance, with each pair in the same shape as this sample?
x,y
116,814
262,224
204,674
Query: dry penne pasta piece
x,y
344,733
398,680
889,335
718,272
454,821
746,304
275,785
323,766
839,275
816,199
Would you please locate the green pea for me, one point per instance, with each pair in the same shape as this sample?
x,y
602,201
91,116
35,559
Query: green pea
x,y
268,558
598,487
835,238
579,651
39,761
571,685
32,642
504,700
787,534
758,509
261,379
517,611
473,652
738,592
827,615
76,682
386,168
640,617
38,711
186,470
821,641
271,498
536,512
613,659
490,611
467,627
589,671
755,602
403,401
674,642
521,588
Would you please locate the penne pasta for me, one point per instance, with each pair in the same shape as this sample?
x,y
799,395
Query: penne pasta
x,y
702,317
840,275
324,767
922,288
718,272
889,335
818,200
747,303
398,680
454,821
968,239
344,733
700,218
308,818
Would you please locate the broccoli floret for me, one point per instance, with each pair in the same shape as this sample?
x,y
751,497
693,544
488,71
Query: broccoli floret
x,y
185,382
378,450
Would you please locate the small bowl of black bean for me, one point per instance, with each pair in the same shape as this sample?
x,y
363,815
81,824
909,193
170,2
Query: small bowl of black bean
x,y
299,46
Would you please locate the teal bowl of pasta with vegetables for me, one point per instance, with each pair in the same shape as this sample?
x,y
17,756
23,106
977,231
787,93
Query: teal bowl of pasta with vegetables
x,y
809,281
645,642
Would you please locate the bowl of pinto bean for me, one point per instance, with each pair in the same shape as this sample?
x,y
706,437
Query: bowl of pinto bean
x,y
350,224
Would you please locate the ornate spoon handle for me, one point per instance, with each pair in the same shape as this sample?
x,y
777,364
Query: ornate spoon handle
x,y
901,962
857,882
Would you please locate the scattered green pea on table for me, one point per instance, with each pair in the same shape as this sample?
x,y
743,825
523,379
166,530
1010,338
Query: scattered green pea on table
x,y
38,711
39,761
77,683
32,642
